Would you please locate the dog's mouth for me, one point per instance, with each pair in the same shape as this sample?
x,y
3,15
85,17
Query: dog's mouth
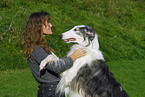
x,y
69,40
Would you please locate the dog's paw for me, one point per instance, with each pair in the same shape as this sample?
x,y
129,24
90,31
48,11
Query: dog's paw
x,y
42,65
49,58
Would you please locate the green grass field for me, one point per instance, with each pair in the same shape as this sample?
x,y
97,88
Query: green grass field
x,y
120,25
17,83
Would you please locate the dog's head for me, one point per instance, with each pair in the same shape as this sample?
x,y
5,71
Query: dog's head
x,y
83,35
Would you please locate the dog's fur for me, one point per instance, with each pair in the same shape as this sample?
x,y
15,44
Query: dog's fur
x,y
89,76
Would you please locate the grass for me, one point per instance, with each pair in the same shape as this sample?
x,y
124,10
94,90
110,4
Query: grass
x,y
20,83
17,83
118,23
131,75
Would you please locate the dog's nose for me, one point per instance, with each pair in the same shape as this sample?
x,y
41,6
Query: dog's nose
x,y
61,36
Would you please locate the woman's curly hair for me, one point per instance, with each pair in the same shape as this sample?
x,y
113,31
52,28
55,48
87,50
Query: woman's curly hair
x,y
33,33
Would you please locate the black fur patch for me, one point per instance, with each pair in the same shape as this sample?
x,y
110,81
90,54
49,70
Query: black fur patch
x,y
85,30
97,81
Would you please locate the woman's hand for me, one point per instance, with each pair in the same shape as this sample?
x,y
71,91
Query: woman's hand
x,y
77,54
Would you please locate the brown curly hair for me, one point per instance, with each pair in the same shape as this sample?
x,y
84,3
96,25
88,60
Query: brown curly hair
x,y
33,33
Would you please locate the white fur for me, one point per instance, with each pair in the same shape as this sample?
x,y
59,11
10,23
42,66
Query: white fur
x,y
51,57
92,53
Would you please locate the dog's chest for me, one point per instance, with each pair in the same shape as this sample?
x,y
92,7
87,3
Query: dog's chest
x,y
91,55
80,62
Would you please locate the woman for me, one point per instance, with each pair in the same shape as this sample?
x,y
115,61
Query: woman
x,y
36,49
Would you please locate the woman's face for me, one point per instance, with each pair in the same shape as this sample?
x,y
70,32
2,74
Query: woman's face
x,y
47,28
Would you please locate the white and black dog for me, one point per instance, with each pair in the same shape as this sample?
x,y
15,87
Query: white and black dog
x,y
89,76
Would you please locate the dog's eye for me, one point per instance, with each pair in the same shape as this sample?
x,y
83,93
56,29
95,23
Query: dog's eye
x,y
75,29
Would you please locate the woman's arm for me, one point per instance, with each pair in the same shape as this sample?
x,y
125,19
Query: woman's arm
x,y
61,65
42,57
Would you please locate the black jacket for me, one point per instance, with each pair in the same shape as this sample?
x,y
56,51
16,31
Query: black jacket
x,y
52,71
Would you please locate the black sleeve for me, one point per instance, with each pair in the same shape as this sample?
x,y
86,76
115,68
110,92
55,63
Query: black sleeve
x,y
39,54
60,65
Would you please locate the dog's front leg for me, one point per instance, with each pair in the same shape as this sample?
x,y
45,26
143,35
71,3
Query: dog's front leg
x,y
49,58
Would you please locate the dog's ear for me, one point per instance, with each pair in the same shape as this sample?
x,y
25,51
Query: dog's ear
x,y
90,32
83,29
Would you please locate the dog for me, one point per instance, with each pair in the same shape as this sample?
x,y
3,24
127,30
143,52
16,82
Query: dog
x,y
89,76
